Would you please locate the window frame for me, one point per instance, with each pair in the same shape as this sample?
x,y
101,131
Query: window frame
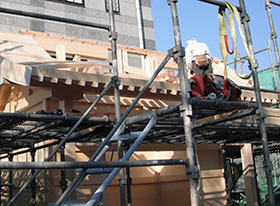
x,y
69,3
106,2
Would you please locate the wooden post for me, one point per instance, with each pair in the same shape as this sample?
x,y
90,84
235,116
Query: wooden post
x,y
60,52
70,148
249,175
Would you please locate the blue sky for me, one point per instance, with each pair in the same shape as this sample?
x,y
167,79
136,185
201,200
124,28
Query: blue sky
x,y
200,20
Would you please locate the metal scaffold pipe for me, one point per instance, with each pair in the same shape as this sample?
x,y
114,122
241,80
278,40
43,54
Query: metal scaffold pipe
x,y
260,112
63,181
53,18
62,142
224,119
53,117
33,183
11,180
128,154
246,57
101,164
275,3
273,36
113,39
272,65
193,171
218,3
82,174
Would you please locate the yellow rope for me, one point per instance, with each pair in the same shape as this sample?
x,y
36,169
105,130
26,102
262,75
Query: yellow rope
x,y
223,36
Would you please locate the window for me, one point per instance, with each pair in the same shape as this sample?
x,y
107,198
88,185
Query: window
x,y
73,2
116,6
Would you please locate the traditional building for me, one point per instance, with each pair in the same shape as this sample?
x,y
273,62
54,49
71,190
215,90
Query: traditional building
x,y
42,94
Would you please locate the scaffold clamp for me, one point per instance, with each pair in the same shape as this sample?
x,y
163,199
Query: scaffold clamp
x,y
122,179
193,172
113,35
171,1
244,17
115,81
267,6
176,52
260,114
273,35
172,51
186,109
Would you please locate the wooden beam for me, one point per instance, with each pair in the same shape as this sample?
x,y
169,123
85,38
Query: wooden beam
x,y
72,45
100,78
89,48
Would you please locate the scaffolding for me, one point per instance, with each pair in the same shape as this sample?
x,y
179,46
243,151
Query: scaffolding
x,y
174,124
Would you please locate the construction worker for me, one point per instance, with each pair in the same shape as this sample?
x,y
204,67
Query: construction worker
x,y
204,83
198,58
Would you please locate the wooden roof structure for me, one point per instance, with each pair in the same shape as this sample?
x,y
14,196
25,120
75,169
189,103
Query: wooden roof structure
x,y
27,63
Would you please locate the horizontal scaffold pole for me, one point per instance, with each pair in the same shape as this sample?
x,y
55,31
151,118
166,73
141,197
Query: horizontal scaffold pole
x,y
63,141
105,164
28,150
262,90
221,103
53,117
126,157
218,3
146,116
246,57
54,18
118,125
275,3
193,101
224,119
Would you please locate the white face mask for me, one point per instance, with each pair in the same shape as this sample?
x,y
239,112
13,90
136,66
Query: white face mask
x,y
201,61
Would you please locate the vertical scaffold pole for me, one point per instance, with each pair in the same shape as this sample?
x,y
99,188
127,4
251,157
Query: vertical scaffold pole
x,y
1,186
33,183
193,172
104,145
63,181
272,65
1,181
10,183
228,190
128,181
273,36
113,39
260,113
